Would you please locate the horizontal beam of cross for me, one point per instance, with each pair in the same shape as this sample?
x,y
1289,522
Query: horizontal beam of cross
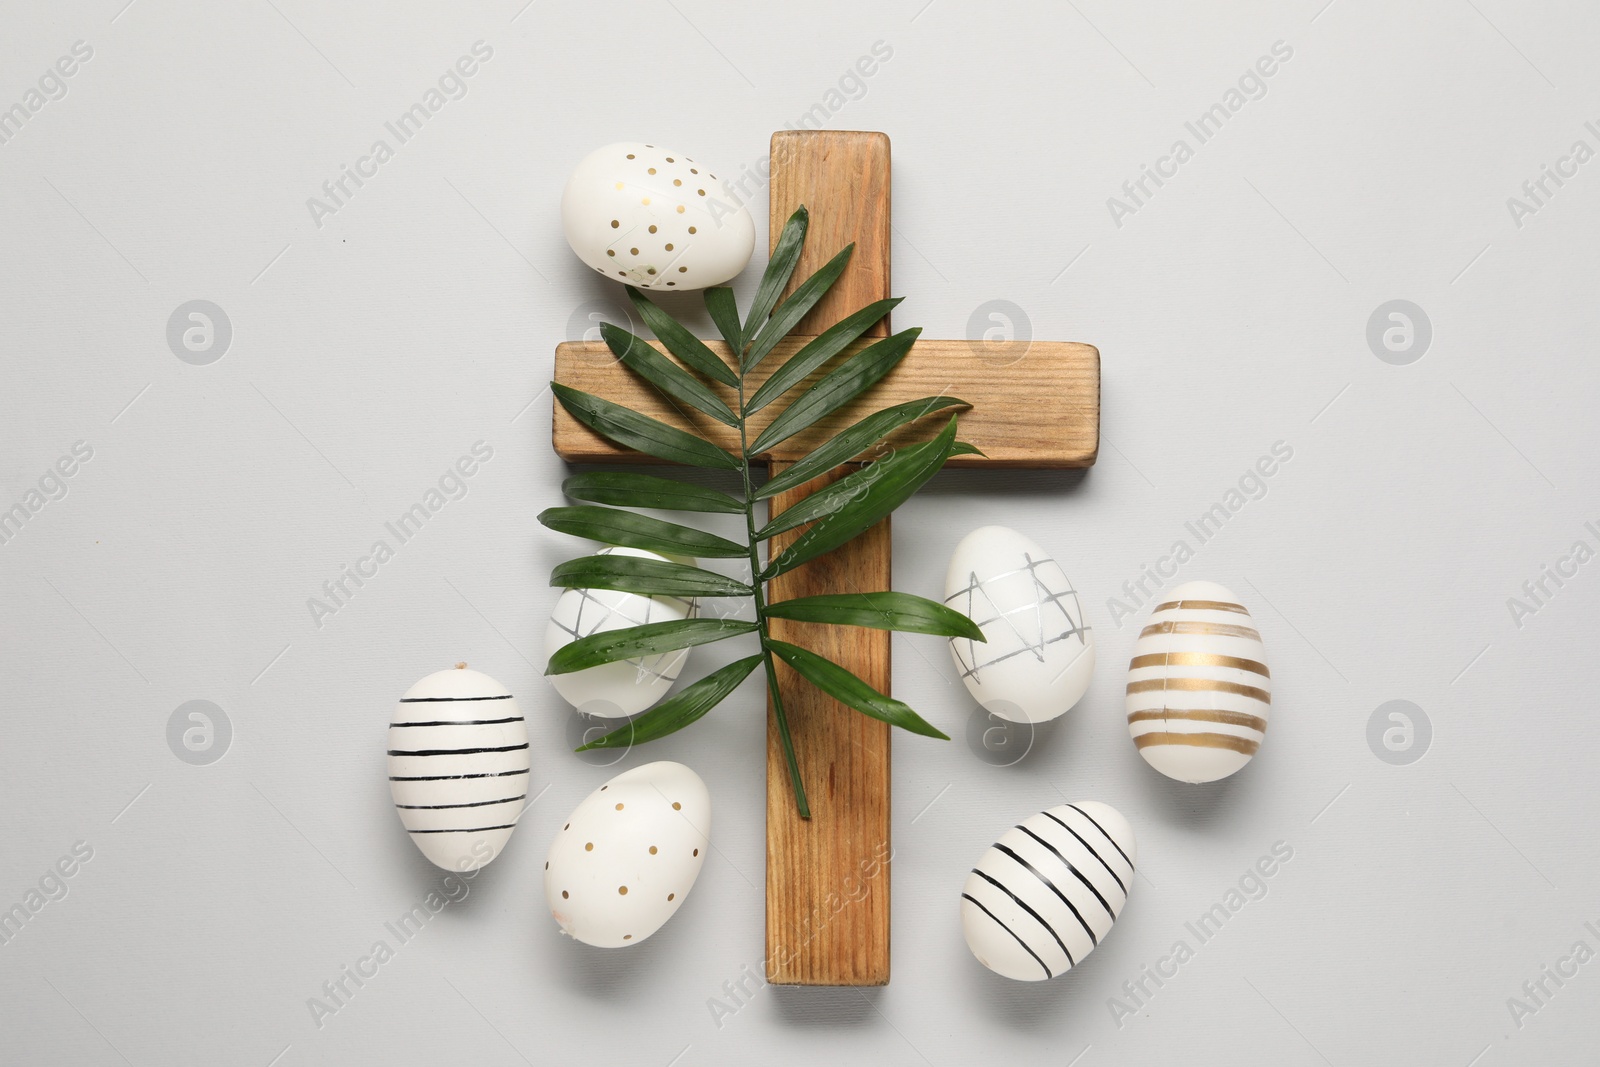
x,y
1034,404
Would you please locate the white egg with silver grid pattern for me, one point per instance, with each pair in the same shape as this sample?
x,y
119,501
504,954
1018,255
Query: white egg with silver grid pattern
x,y
458,767
1039,654
1045,895
627,687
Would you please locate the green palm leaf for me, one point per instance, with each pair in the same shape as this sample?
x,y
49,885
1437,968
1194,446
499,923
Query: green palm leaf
x,y
640,432
672,380
682,342
792,310
816,352
833,498
609,646
851,442
679,710
647,577
629,490
785,255
837,388
880,611
690,373
629,530
847,689
902,474
725,313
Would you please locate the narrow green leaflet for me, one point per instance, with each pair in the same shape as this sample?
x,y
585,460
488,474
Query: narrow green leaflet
x,y
679,710
837,388
880,611
609,646
649,577
640,432
817,351
681,342
846,688
904,472
785,255
825,501
852,442
781,717
671,379
725,313
831,499
629,490
792,310
629,530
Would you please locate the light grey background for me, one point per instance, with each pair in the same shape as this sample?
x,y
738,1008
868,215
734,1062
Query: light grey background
x,y
1231,310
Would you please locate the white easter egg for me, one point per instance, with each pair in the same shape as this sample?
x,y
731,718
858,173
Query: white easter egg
x,y
1045,895
654,218
1039,654
626,687
1198,687
628,855
458,767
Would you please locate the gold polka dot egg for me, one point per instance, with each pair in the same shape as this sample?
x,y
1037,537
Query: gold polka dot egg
x,y
624,861
654,218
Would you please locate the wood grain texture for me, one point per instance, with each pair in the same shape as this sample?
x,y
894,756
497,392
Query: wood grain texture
x,y
827,920
828,876
1036,409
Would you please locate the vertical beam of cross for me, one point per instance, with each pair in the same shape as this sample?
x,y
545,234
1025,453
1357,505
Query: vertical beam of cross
x,y
828,876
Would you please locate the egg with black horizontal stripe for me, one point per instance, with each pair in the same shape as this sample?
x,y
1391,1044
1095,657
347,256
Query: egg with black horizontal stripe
x,y
458,767
1046,894
1198,686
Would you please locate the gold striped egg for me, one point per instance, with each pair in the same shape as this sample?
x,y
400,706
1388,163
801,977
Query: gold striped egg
x,y
1198,686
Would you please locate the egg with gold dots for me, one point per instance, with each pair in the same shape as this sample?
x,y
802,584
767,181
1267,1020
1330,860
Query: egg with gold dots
x,y
654,218
623,862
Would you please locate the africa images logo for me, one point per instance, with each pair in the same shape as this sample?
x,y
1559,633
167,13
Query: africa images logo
x,y
452,85
51,86
51,486
352,577
1251,85
1250,485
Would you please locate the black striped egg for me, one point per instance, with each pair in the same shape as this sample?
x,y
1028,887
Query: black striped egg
x,y
458,767
1045,895
1198,687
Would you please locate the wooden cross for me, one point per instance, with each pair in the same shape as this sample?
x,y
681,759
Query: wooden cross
x,y
828,877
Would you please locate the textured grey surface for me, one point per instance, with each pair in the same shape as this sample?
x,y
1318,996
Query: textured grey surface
x,y
368,354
